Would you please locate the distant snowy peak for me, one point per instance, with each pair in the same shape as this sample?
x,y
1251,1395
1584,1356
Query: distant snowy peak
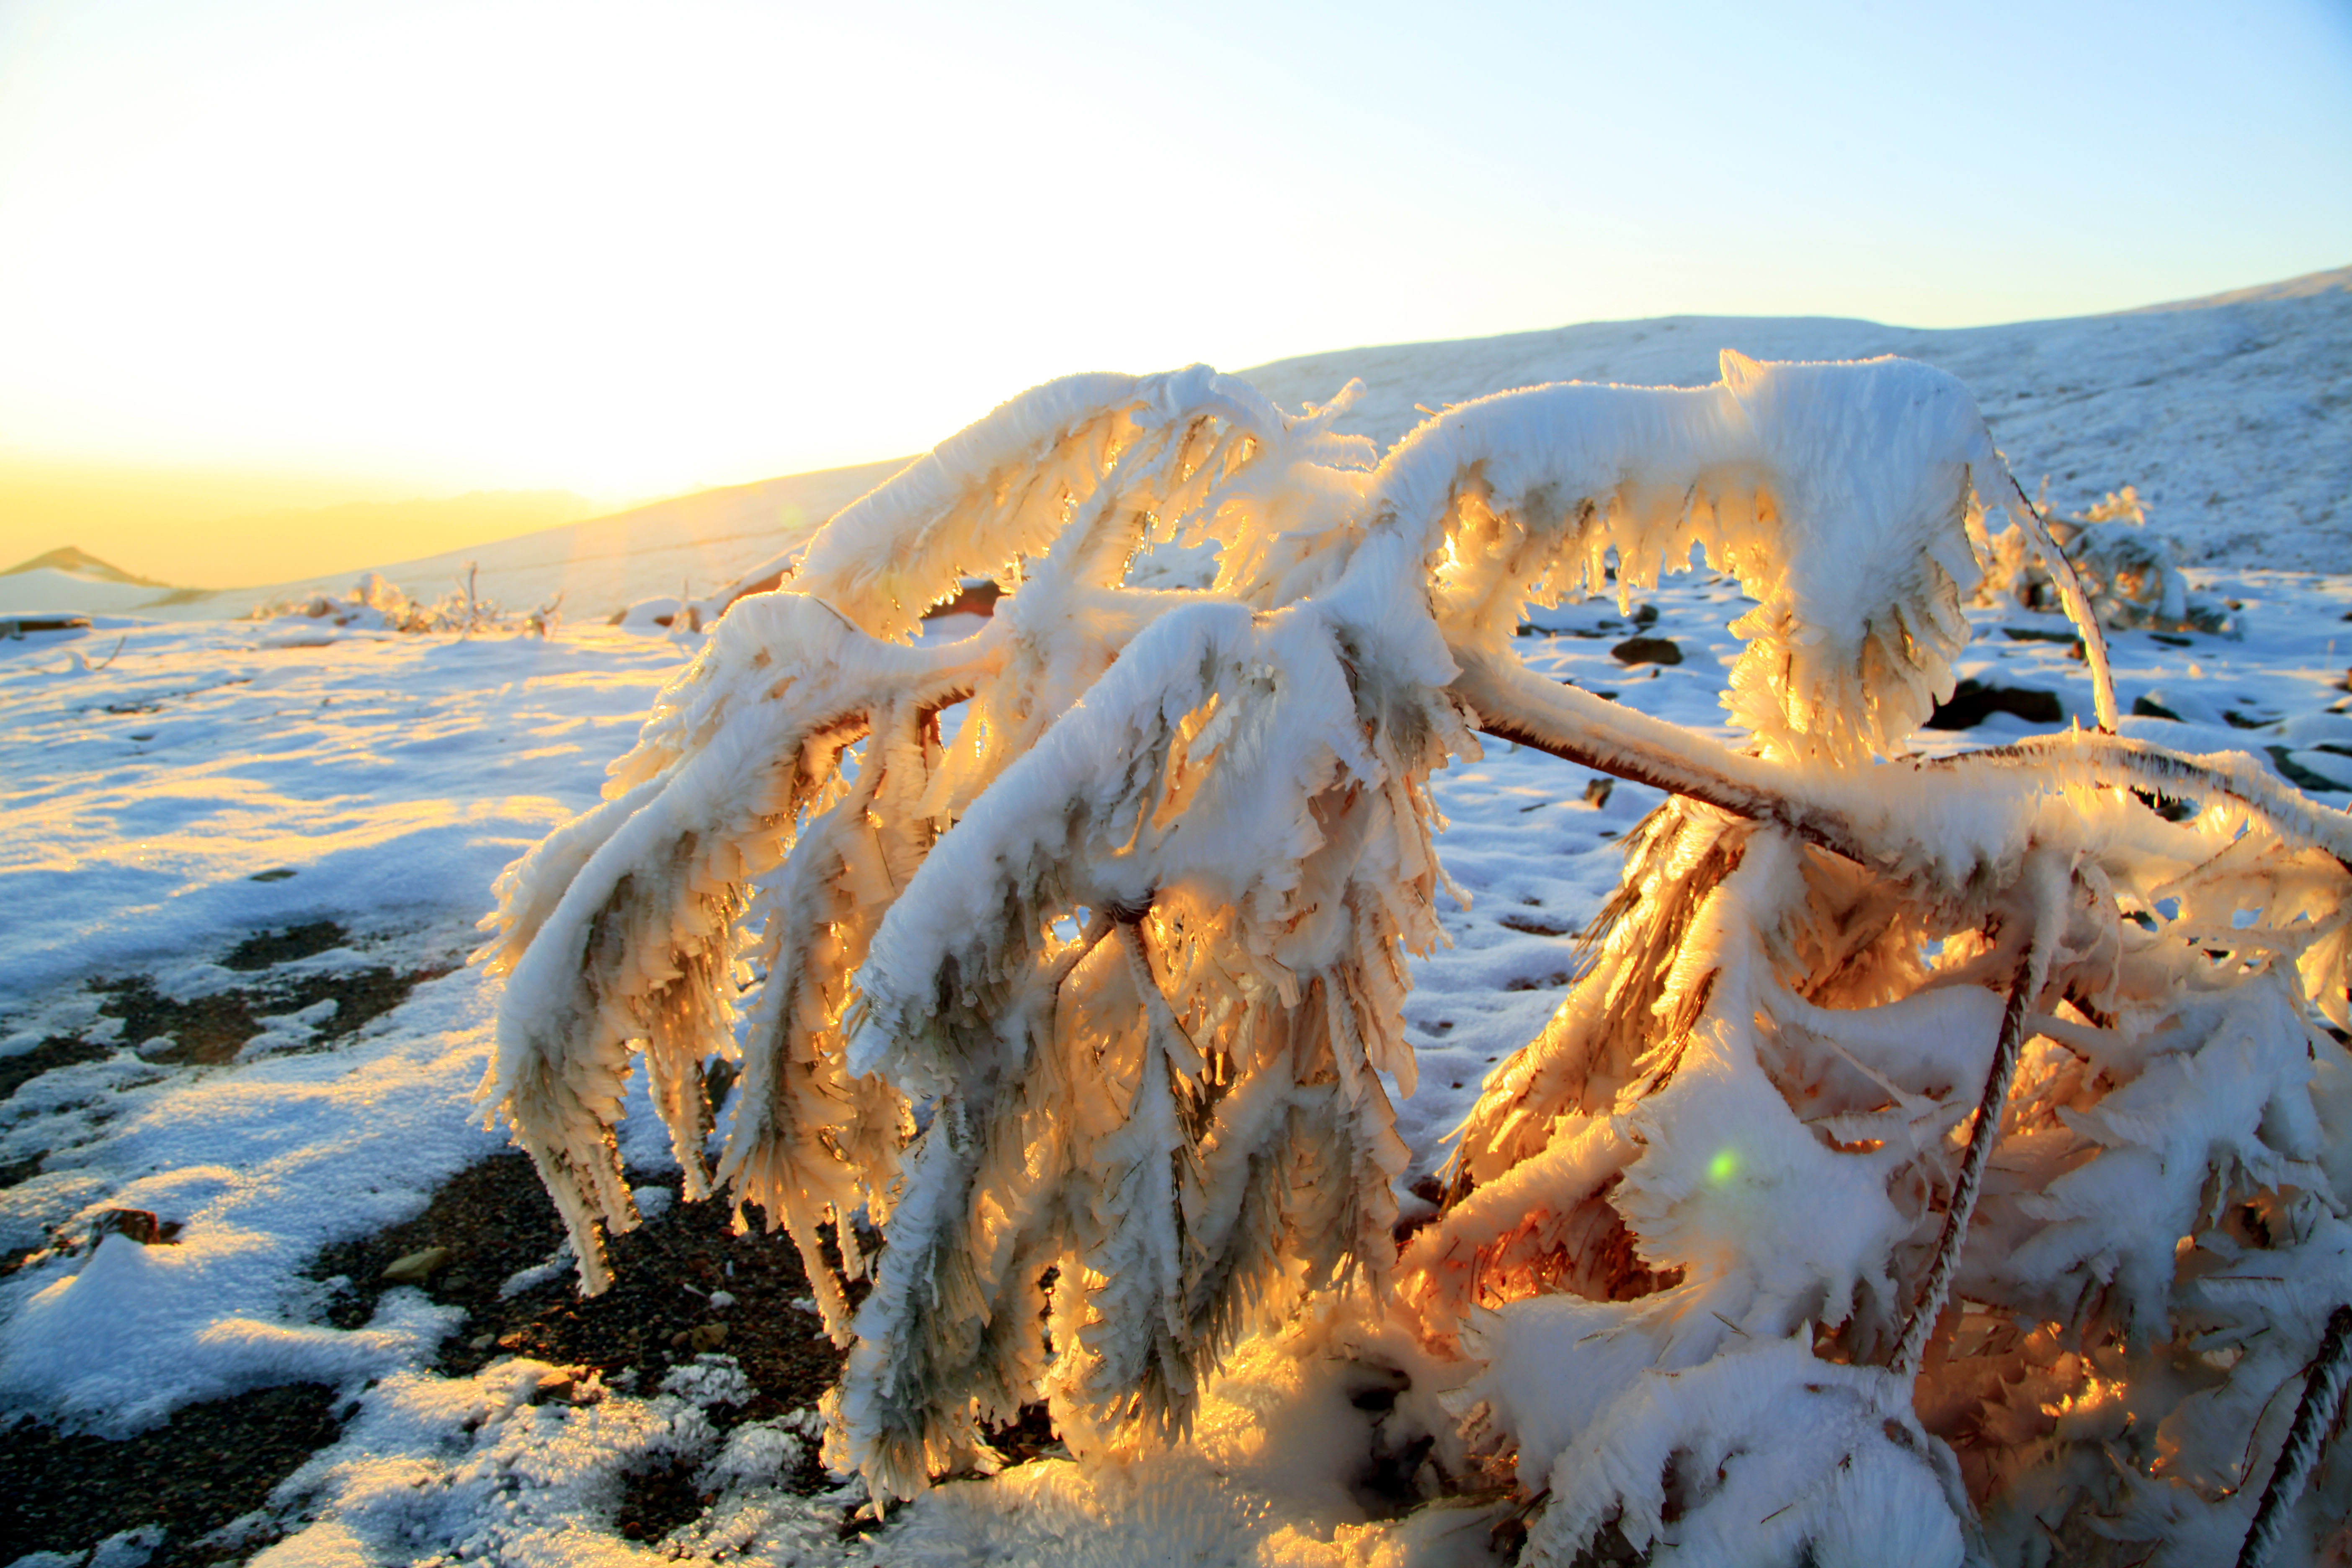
x,y
82,563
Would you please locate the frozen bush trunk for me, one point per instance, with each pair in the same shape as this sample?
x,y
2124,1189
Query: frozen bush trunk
x,y
1937,1160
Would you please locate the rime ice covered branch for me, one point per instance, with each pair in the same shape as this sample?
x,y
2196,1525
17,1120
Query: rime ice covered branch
x,y
1073,955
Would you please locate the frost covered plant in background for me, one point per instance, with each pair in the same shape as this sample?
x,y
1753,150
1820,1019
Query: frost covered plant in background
x,y
376,605
1937,1160
2129,575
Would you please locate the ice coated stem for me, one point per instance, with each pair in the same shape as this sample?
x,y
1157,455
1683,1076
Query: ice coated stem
x,y
2032,966
2078,604
2314,1419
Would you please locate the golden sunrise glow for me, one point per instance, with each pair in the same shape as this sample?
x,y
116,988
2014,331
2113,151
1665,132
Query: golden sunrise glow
x,y
280,257
598,249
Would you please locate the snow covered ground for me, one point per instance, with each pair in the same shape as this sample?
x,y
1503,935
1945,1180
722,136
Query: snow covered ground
x,y
208,782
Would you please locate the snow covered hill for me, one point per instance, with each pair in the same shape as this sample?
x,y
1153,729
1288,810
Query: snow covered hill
x,y
2232,415
604,564
45,590
72,580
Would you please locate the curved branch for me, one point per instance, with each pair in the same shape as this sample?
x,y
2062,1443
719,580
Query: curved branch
x,y
2116,762
1513,703
2060,568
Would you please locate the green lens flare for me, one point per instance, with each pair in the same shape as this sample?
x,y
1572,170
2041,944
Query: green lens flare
x,y
1723,1167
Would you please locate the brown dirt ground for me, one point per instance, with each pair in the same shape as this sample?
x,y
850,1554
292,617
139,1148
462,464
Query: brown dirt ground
x,y
212,1463
218,1462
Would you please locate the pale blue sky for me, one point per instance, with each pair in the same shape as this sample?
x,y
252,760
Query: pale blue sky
x,y
627,249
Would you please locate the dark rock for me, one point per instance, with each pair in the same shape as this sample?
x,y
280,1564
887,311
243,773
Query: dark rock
x,y
702,1339
140,1224
57,1051
416,1267
265,949
1534,925
2297,774
1647,650
17,626
1973,702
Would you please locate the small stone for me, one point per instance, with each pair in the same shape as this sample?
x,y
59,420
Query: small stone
x,y
416,1268
482,1342
1647,650
705,1337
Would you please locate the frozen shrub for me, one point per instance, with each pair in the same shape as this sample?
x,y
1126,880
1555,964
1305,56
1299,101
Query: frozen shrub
x,y
1938,1158
2130,575
375,604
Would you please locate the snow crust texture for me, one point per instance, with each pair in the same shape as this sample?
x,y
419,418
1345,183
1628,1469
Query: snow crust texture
x,y
1887,1175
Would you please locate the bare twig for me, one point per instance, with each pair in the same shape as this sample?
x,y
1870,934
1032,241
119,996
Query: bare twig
x,y
2322,1401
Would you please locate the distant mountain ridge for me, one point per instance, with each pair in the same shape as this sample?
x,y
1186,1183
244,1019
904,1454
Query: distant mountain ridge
x,y
82,563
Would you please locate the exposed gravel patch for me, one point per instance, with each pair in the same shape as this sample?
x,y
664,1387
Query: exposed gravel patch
x,y
211,1465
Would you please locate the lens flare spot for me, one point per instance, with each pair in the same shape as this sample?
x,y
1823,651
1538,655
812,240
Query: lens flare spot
x,y
1723,1167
